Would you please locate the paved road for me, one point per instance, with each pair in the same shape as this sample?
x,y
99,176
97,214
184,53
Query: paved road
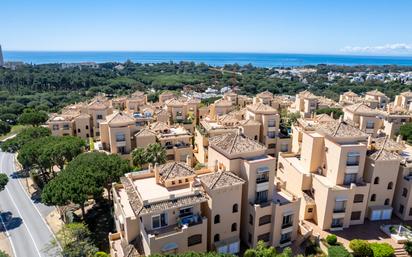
x,y
23,218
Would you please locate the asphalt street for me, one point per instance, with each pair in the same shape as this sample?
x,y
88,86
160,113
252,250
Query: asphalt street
x,y
22,218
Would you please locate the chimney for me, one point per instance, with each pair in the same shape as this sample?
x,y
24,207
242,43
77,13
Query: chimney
x,y
189,160
341,118
399,139
157,173
369,142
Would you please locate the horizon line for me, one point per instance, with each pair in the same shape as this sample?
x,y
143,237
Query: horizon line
x,y
213,52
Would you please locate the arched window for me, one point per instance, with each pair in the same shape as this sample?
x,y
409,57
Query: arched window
x,y
390,185
234,227
376,181
373,198
217,219
386,201
404,192
235,208
256,137
216,238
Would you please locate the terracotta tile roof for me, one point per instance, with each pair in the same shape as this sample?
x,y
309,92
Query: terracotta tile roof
x,y
98,104
323,117
360,108
261,108
234,143
222,102
339,129
174,102
145,132
387,144
120,117
306,94
220,179
350,94
265,94
375,93
174,170
248,122
159,126
227,118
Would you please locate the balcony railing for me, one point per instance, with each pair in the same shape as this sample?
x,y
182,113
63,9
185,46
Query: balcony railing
x,y
187,221
340,210
287,225
262,180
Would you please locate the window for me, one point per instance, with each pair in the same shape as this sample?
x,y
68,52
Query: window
x,y
353,159
87,127
250,219
284,238
358,198
401,208
78,130
121,149
264,237
256,137
262,174
271,134
340,206
216,238
284,148
337,223
287,221
99,117
310,210
265,220
185,211
234,227
376,181
159,221
370,124
87,135
404,192
271,123
271,146
120,137
390,185
261,197
194,240
66,126
350,178
355,215
387,201
235,208
410,211
55,126
373,198
217,219
249,238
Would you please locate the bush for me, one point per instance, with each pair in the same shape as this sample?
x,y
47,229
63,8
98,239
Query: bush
x,y
408,247
393,230
382,249
360,248
338,251
331,239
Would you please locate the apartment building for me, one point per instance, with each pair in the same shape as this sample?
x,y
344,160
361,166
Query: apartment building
x,y
364,118
116,133
402,201
99,109
327,173
136,101
376,99
220,107
269,213
167,95
269,135
306,103
404,100
348,98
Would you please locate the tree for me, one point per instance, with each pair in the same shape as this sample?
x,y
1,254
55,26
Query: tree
x,y
360,248
408,247
336,112
156,154
34,118
75,239
3,254
3,181
262,250
4,127
406,132
24,137
139,157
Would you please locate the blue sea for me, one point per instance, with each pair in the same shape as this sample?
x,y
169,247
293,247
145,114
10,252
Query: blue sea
x,y
216,59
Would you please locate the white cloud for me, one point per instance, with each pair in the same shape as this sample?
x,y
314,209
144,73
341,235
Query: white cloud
x,y
397,48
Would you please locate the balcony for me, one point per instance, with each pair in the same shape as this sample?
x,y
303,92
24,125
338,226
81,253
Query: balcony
x,y
287,225
339,210
183,223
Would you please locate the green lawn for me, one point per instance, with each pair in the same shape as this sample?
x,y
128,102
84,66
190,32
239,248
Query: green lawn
x,y
14,130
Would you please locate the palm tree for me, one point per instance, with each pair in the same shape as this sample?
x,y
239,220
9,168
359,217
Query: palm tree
x,y
156,154
139,157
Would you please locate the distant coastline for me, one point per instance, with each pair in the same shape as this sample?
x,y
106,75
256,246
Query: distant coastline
x,y
212,58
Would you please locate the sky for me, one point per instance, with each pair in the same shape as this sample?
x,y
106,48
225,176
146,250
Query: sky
x,y
376,27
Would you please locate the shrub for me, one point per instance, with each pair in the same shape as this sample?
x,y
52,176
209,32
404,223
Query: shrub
x,y
338,251
360,248
382,249
331,239
408,247
393,230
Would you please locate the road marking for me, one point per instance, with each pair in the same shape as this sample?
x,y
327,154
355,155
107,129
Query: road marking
x,y
35,207
21,216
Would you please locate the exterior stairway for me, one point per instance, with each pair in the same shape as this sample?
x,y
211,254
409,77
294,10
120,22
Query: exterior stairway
x,y
400,252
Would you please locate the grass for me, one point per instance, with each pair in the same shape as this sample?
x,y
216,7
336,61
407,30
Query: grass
x,y
14,130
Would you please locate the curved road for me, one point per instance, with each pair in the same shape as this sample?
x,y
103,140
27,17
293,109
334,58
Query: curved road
x,y
23,218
